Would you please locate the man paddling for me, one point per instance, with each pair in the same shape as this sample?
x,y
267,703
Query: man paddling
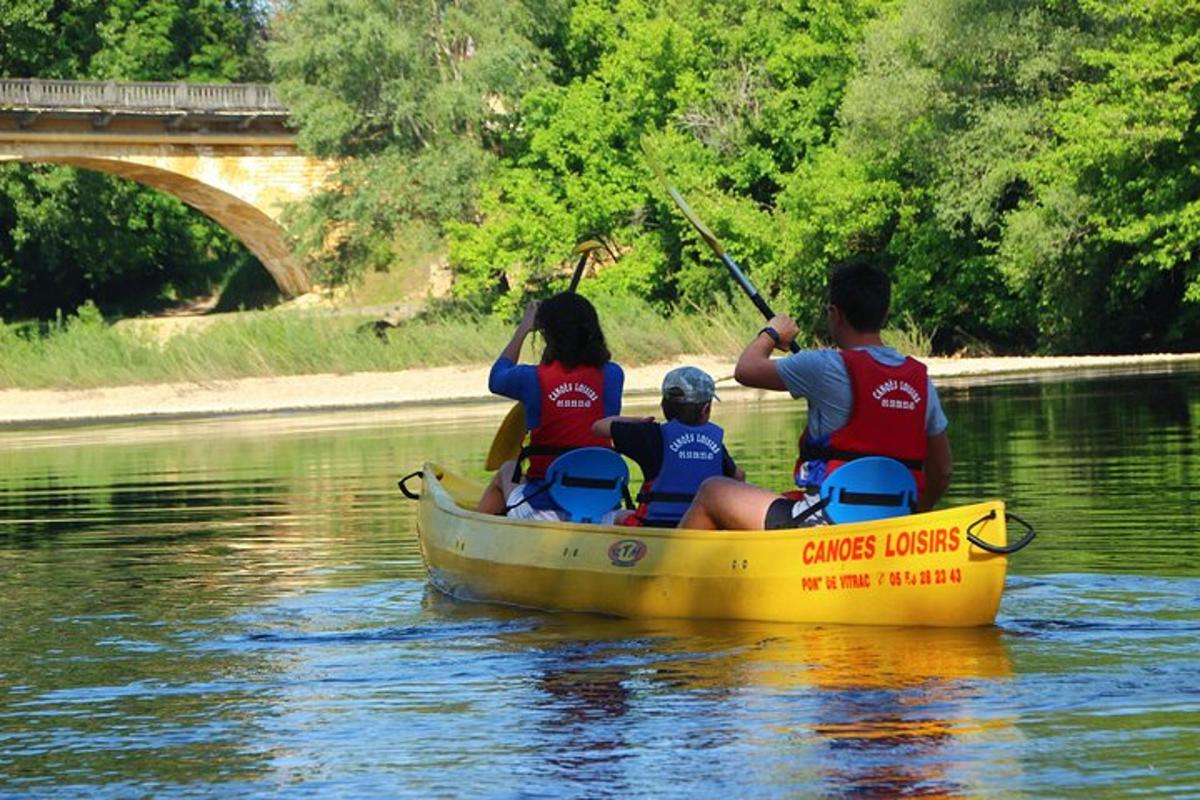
x,y
864,399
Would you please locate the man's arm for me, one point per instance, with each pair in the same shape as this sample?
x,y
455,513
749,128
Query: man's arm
x,y
755,367
939,466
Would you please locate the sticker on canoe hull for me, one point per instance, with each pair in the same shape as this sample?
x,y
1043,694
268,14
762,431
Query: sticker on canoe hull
x,y
626,552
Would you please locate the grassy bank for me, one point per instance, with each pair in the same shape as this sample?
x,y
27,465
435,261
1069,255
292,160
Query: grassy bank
x,y
84,351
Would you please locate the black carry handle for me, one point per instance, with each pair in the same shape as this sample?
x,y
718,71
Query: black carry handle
x,y
998,549
402,483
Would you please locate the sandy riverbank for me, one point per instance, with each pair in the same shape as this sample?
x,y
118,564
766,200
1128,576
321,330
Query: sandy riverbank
x,y
439,386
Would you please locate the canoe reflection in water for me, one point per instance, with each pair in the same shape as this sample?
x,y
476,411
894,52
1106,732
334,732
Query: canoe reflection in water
x,y
845,710
897,707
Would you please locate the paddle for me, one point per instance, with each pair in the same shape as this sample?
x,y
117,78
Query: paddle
x,y
506,444
708,236
585,251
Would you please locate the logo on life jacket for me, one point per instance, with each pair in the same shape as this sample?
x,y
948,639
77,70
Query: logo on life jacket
x,y
709,449
907,402
557,395
626,552
571,402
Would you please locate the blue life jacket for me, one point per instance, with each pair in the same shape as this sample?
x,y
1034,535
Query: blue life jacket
x,y
690,454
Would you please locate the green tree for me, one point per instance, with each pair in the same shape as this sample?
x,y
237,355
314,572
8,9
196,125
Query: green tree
x,y
419,98
49,40
1041,155
196,40
68,235
1108,240
733,97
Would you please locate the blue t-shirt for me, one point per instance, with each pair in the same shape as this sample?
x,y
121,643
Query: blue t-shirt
x,y
520,382
820,377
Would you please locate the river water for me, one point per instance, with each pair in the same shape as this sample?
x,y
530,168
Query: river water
x,y
237,607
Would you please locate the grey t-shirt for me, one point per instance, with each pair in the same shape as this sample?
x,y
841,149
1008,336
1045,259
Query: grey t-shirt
x,y
820,377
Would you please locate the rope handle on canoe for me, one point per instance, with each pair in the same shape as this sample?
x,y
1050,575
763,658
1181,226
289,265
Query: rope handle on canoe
x,y
1002,550
407,492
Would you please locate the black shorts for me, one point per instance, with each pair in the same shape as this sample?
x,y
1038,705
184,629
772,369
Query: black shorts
x,y
790,512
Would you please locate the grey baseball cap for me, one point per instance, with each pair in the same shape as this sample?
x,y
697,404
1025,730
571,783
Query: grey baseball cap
x,y
689,384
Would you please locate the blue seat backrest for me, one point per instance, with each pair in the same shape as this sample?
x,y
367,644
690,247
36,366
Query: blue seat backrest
x,y
869,488
588,482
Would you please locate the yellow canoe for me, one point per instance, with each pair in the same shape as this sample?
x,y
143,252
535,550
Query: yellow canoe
x,y
916,570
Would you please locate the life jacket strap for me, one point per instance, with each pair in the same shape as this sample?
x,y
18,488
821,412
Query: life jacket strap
x,y
810,451
657,523
664,497
537,450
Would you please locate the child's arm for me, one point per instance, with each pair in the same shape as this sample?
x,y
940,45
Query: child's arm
x,y
603,427
729,468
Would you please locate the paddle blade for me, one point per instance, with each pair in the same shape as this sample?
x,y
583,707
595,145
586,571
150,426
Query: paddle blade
x,y
584,251
700,227
707,235
588,246
506,444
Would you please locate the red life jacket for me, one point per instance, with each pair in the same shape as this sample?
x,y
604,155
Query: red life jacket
x,y
887,418
572,401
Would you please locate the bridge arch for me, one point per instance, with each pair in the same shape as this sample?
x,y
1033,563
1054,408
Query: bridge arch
x,y
223,150
257,229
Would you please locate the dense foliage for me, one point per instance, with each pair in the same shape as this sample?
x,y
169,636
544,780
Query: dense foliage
x,y
1043,159
1026,169
69,235
417,96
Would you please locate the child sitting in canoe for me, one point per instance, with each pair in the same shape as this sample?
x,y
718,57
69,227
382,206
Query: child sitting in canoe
x,y
677,455
575,384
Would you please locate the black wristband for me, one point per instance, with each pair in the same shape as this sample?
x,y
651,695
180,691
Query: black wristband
x,y
774,334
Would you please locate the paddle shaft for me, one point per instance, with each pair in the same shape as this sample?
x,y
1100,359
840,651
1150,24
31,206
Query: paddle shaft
x,y
752,292
710,238
583,259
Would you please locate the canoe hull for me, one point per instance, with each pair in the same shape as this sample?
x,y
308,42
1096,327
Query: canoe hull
x,y
915,570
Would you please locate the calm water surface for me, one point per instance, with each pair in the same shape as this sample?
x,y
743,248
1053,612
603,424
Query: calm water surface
x,y
238,608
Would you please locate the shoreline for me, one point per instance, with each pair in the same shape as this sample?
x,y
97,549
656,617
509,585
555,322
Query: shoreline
x,y
460,387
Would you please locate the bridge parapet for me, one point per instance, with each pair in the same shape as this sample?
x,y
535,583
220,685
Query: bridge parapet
x,y
36,94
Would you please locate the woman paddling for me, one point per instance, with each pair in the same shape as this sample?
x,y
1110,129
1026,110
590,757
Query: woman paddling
x,y
575,385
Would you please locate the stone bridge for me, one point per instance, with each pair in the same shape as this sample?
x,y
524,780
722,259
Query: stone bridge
x,y
225,150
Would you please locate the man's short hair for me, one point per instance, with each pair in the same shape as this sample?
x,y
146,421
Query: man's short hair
x,y
863,292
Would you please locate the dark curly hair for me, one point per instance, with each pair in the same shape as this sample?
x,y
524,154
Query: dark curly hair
x,y
571,328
